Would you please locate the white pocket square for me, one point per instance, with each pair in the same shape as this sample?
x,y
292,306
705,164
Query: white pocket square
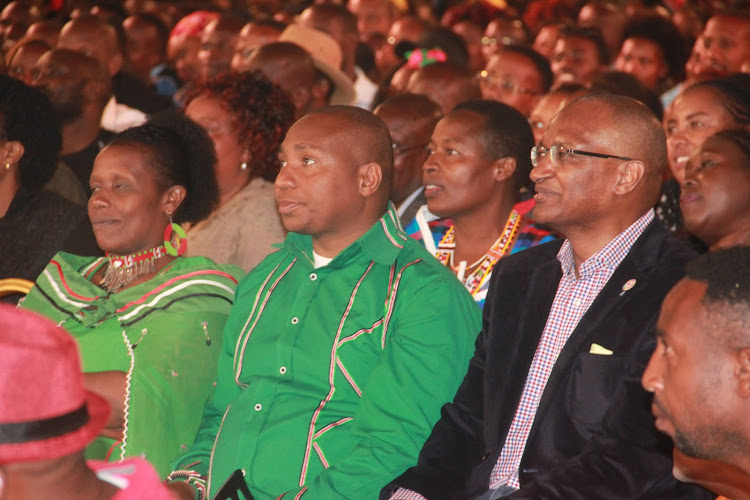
x,y
597,349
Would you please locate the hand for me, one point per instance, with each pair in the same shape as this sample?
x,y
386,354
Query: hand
x,y
181,491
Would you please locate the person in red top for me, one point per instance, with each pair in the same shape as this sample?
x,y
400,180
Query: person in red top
x,y
47,418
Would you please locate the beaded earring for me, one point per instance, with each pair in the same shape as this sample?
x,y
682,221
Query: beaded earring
x,y
175,239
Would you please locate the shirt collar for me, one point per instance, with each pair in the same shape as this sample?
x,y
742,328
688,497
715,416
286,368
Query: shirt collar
x,y
609,256
381,243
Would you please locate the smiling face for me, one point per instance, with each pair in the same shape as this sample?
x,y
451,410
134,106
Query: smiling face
x,y
715,198
721,49
127,208
458,175
575,60
690,374
578,192
317,187
694,116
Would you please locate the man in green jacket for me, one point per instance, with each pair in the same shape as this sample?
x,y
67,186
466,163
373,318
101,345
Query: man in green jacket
x,y
343,345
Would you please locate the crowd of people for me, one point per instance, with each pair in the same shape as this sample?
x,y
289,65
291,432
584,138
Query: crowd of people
x,y
363,249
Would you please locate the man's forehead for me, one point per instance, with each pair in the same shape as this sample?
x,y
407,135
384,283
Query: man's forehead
x,y
726,25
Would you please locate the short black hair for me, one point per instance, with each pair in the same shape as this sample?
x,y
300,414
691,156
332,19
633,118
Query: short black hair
x,y
162,30
621,83
664,33
181,153
449,42
538,60
27,116
505,132
734,93
726,273
741,139
592,34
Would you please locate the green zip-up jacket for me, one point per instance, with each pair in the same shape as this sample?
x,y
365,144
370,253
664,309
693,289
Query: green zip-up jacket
x,y
331,379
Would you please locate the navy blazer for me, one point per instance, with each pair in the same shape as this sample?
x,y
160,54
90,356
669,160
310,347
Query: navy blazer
x,y
587,395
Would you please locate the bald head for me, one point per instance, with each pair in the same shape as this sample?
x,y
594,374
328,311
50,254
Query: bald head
x,y
446,83
91,36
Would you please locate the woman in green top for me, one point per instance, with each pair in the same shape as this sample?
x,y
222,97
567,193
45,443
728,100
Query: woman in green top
x,y
148,322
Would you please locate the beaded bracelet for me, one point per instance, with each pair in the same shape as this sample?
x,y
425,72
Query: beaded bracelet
x,y
192,478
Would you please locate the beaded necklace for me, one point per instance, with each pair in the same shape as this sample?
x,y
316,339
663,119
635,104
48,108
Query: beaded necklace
x,y
482,268
123,269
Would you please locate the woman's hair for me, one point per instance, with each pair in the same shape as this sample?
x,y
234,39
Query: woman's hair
x,y
664,33
181,153
26,116
505,132
734,93
262,111
741,139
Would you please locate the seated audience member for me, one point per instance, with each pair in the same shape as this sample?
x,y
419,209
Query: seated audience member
x,y
654,51
471,34
333,337
146,38
34,224
700,111
253,35
404,29
548,405
148,322
504,31
607,17
579,56
341,25
715,197
15,19
703,356
93,37
374,17
410,119
46,30
516,76
48,418
22,58
445,83
550,104
442,38
217,45
246,116
185,43
478,161
546,37
79,89
722,48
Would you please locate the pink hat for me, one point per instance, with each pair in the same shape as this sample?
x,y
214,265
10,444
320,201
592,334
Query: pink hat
x,y
44,410
193,24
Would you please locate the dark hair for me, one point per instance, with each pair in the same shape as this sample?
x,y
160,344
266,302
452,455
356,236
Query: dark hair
x,y
538,60
444,38
506,132
262,111
734,93
591,34
27,116
343,15
664,33
726,273
620,83
741,139
162,31
181,153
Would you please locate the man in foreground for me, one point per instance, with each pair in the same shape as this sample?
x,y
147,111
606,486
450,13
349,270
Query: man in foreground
x,y
700,372
339,352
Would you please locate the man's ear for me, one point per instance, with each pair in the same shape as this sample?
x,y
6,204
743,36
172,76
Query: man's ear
x,y
503,168
629,175
370,177
114,65
12,151
173,198
743,372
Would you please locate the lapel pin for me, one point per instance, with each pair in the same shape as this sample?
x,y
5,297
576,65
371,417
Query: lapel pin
x,y
627,286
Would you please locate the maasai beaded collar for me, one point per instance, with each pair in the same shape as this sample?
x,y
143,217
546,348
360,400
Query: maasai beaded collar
x,y
483,267
123,269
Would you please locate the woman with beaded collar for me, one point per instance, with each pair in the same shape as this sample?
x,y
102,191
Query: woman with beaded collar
x,y
148,322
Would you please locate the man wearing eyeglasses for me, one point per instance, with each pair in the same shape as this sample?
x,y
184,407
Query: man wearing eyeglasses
x,y
552,407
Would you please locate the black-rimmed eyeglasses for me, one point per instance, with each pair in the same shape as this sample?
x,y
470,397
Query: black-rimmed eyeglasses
x,y
559,154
